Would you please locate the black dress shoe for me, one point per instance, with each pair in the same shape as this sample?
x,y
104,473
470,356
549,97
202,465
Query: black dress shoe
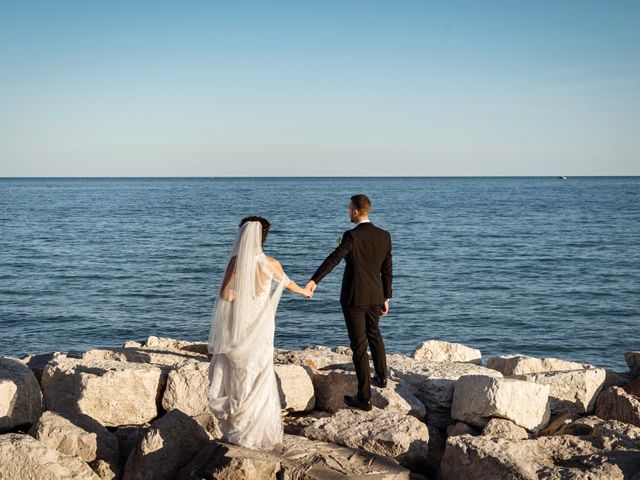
x,y
379,382
355,402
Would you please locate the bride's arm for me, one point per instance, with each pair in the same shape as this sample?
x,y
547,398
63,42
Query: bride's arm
x,y
290,285
226,293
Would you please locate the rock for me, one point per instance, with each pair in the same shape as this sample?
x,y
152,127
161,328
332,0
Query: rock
x,y
478,398
20,395
572,390
460,428
580,426
22,457
616,404
389,434
295,387
332,385
114,393
617,379
163,343
37,362
80,436
557,423
294,424
502,428
298,458
633,360
144,355
314,357
187,388
166,447
611,455
521,364
439,351
633,388
432,383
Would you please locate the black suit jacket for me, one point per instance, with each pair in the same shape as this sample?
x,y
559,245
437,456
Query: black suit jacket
x,y
368,273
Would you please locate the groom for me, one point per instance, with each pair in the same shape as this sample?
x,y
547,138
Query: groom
x,y
366,290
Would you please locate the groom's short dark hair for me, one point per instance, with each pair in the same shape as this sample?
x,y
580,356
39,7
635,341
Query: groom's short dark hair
x,y
263,221
362,203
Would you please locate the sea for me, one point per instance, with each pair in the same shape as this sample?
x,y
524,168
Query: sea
x,y
539,266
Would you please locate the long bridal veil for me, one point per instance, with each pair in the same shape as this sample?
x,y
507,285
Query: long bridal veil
x,y
243,393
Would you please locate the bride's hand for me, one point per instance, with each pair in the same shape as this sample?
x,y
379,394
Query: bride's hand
x,y
307,292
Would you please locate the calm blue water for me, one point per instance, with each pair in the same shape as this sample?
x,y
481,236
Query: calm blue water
x,y
530,265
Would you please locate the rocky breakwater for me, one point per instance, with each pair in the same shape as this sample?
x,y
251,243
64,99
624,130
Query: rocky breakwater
x,y
140,412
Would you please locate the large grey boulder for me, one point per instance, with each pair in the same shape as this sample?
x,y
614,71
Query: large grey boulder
x,y
521,364
297,458
332,385
633,360
611,452
295,387
616,404
441,351
168,444
572,390
433,383
478,398
389,434
82,437
20,395
112,392
22,457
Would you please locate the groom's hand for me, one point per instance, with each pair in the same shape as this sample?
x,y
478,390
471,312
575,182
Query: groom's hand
x,y
311,286
385,308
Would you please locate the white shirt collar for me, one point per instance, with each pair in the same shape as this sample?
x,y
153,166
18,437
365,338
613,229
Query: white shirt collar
x,y
363,221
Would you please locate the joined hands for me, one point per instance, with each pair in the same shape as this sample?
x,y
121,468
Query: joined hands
x,y
309,289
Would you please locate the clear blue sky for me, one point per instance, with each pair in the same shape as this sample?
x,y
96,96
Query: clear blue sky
x,y
203,88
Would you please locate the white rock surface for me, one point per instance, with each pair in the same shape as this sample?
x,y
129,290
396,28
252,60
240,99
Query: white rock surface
x,y
22,457
114,393
295,388
332,385
633,360
168,445
572,390
81,437
389,434
441,351
432,383
187,388
478,398
298,458
20,395
520,364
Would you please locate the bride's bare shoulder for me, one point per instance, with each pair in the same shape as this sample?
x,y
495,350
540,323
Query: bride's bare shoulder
x,y
275,264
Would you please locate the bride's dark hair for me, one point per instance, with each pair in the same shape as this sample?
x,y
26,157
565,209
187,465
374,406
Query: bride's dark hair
x,y
263,221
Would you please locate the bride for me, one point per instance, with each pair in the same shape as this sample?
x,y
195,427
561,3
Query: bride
x,y
243,393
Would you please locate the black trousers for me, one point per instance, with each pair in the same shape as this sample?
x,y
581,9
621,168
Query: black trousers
x,y
362,325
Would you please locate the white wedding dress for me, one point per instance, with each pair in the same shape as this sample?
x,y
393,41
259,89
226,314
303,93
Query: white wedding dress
x,y
243,392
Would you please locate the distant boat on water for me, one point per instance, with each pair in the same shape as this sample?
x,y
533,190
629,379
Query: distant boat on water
x,y
562,177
